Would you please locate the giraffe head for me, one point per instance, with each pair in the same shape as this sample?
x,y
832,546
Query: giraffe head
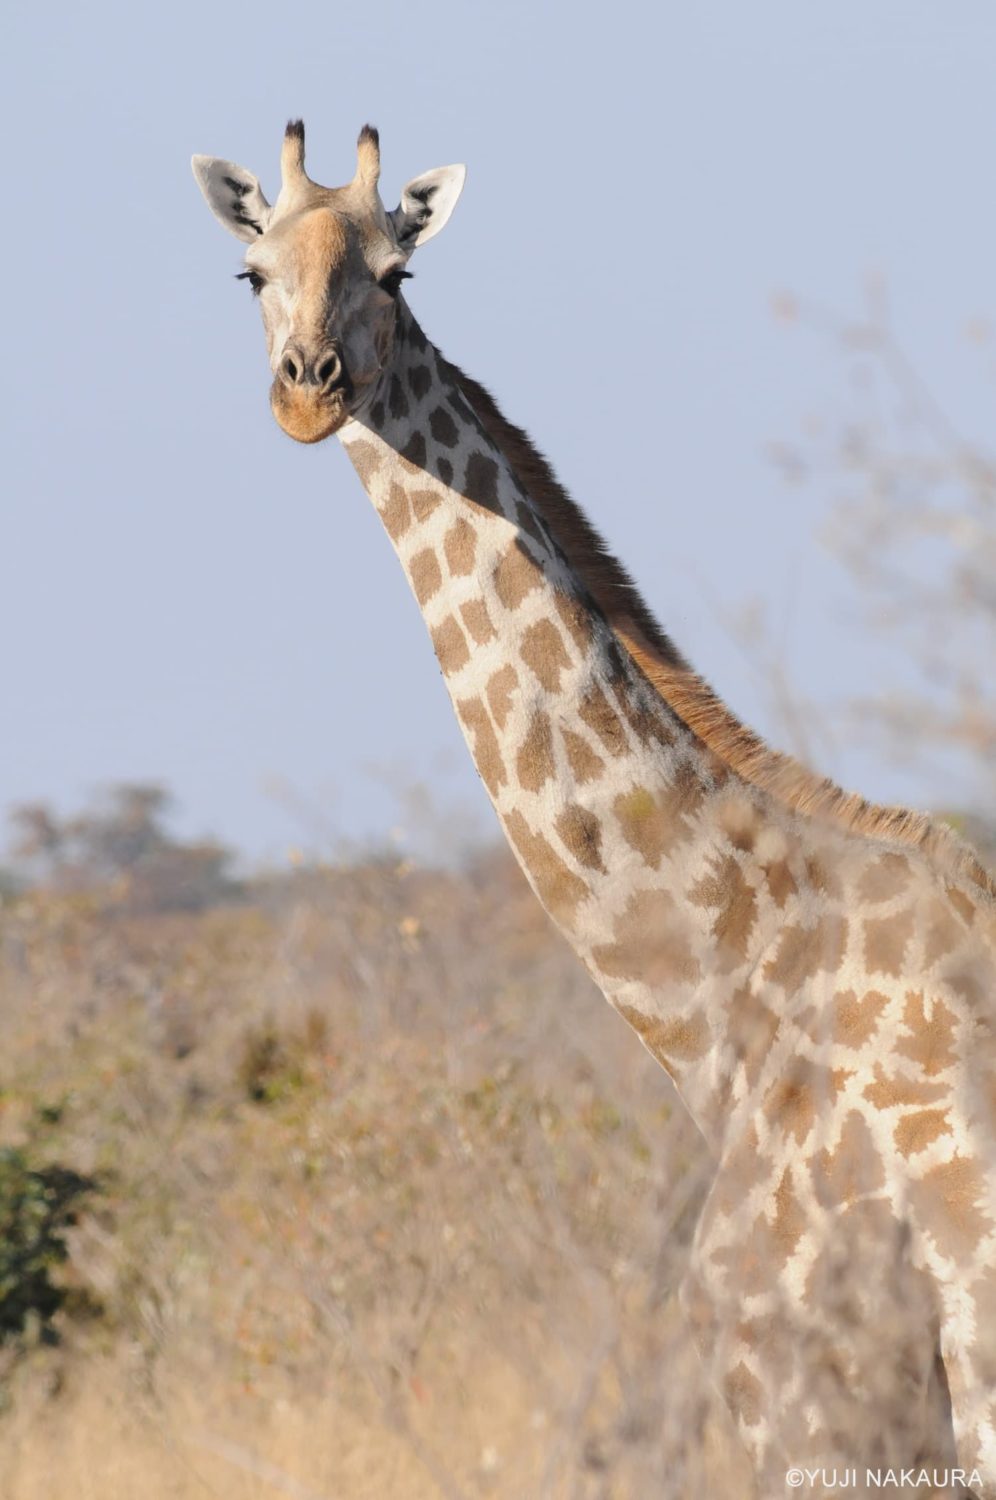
x,y
326,265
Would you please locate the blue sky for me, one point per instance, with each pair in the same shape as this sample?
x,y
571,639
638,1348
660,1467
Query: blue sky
x,y
186,595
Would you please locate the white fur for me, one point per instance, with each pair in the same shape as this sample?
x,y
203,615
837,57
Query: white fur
x,y
417,218
229,206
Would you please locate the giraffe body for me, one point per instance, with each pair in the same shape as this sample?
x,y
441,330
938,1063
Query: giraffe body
x,y
824,1001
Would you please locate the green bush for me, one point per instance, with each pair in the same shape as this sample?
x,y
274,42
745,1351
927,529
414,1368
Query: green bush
x,y
271,1067
37,1205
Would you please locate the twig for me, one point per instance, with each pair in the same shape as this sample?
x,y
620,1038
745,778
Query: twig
x,y
250,1463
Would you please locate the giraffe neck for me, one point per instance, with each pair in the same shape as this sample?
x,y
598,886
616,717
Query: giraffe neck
x,y
630,831
787,780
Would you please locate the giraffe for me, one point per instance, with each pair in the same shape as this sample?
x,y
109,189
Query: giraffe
x,y
818,976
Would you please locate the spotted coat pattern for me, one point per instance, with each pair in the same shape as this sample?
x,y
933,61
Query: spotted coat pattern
x,y
824,1002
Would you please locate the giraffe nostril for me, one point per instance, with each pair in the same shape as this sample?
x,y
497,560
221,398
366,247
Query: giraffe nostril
x,y
291,369
329,370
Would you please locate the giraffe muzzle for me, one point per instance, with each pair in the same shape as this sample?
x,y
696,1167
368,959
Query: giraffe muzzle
x,y
311,394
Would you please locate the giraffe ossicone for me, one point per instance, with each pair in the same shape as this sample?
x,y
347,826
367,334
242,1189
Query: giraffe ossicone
x,y
817,975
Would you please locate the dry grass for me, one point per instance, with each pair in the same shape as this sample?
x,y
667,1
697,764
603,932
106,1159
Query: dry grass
x,y
392,1204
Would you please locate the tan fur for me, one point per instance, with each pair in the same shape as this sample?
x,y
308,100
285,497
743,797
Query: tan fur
x,y
318,247
304,416
319,252
368,158
685,692
292,171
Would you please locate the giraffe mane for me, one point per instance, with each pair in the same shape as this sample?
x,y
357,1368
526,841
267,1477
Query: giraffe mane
x,y
686,693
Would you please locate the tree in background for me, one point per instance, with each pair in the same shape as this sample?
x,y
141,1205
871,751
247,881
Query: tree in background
x,y
121,846
913,520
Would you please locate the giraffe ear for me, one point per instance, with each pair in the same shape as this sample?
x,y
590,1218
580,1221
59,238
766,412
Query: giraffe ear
x,y
233,195
426,204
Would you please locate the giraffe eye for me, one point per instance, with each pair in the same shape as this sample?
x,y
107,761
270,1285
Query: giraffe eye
x,y
391,282
255,280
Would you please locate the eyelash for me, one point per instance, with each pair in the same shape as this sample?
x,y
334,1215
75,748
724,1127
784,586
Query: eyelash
x,y
255,280
391,283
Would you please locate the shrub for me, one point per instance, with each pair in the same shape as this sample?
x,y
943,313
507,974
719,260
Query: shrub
x,y
37,1205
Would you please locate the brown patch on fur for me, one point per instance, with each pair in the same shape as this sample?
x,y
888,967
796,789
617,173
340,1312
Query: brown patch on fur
x,y
414,335
534,763
450,646
781,882
804,952
460,547
886,878
544,651
963,905
643,716
673,1041
559,889
651,943
735,902
426,575
822,879
885,943
500,688
643,825
480,482
856,1021
947,1202
899,1089
419,380
915,1132
751,1260
651,729
487,754
789,1221
443,427
792,1101
943,933
763,1337
365,458
424,502
744,1167
515,575
477,620
581,833
655,823
396,513
744,1395
582,759
599,715
852,1169
397,401
753,1029
932,1042
414,453
575,619
740,821
971,985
